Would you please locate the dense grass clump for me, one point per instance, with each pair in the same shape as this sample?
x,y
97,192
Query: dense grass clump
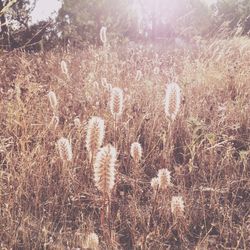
x,y
65,196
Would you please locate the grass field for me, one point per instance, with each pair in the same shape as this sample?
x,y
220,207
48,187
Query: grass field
x,y
52,202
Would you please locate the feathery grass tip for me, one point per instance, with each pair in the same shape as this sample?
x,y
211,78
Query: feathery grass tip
x,y
65,150
95,135
116,102
172,100
104,169
136,151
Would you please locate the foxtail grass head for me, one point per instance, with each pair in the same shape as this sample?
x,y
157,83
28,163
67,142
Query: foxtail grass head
x,y
172,101
138,75
104,82
53,100
65,149
95,135
154,183
64,68
54,122
156,70
103,35
104,169
92,241
116,102
164,179
177,206
77,122
136,151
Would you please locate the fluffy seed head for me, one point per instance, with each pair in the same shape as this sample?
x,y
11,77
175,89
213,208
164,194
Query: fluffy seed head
x,y
164,178
116,102
172,100
104,169
65,150
64,68
95,134
154,183
103,34
156,70
54,122
109,87
77,122
136,151
104,82
52,100
177,206
138,75
96,84
92,241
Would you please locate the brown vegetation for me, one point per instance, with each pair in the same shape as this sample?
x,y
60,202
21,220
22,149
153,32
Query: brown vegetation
x,y
47,203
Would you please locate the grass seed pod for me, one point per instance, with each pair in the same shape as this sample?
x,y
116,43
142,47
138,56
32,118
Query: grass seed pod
x,y
77,122
154,183
103,34
64,68
95,134
54,122
53,100
65,150
92,241
136,151
116,102
138,75
172,100
164,179
156,70
177,206
104,169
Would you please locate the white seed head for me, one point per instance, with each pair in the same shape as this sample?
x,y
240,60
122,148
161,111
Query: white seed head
x,y
77,122
104,82
109,87
95,134
65,150
64,67
92,241
96,84
138,75
154,183
103,34
52,100
172,100
104,169
116,102
164,178
177,206
156,70
54,122
136,151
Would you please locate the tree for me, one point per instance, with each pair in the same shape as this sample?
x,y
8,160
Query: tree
x,y
15,17
168,19
20,33
79,21
5,39
234,14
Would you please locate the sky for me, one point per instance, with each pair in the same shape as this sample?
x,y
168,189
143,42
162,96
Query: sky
x,y
48,8
45,9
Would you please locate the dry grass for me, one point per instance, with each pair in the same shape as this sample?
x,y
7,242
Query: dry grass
x,y
50,204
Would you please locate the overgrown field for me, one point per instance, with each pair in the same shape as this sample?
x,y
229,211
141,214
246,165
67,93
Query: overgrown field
x,y
48,202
